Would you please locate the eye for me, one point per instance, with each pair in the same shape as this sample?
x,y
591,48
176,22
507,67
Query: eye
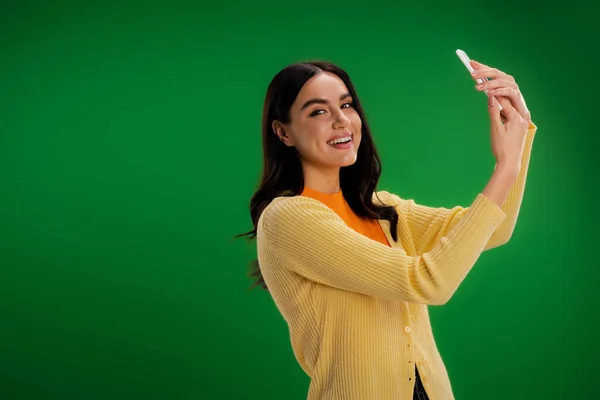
x,y
320,111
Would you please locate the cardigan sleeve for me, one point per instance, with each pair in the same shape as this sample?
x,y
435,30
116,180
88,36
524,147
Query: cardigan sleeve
x,y
429,224
306,237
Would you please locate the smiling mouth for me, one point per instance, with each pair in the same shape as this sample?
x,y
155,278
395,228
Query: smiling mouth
x,y
341,144
343,140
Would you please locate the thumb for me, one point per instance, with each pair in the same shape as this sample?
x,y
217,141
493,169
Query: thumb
x,y
494,111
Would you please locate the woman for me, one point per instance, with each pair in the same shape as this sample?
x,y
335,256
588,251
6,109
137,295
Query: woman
x,y
352,269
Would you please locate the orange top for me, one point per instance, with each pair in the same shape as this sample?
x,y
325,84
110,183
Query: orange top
x,y
335,201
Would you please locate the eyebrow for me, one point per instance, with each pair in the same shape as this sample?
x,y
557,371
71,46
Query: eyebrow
x,y
323,101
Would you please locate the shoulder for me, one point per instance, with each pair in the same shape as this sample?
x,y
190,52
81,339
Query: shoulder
x,y
285,213
383,197
405,207
291,205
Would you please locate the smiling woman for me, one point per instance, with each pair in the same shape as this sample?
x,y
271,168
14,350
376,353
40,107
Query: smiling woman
x,y
352,269
322,118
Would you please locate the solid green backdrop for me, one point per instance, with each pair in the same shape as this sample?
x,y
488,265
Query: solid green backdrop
x,y
130,146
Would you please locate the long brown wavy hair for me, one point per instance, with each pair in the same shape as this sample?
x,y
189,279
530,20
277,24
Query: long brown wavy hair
x,y
282,171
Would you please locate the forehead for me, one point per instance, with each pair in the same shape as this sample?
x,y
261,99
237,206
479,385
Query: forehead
x,y
324,85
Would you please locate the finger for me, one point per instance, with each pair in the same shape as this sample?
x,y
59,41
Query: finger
x,y
510,113
494,110
485,71
491,73
512,93
503,93
513,96
516,100
496,83
478,65
505,89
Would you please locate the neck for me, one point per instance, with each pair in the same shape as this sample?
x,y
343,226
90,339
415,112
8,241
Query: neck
x,y
324,180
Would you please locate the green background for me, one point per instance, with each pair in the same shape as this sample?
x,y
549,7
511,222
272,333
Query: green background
x,y
130,147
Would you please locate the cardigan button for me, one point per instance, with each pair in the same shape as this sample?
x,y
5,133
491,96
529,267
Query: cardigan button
x,y
407,329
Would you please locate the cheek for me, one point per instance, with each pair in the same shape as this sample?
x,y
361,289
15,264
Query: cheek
x,y
311,139
355,119
357,124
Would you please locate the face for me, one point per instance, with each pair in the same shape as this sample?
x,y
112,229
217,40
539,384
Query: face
x,y
324,126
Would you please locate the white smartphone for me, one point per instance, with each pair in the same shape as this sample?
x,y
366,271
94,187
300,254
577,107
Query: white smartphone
x,y
467,61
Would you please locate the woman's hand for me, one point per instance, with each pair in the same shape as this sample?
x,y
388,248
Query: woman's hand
x,y
501,85
508,135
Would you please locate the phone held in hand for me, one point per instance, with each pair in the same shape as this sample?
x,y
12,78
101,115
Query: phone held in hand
x,y
467,62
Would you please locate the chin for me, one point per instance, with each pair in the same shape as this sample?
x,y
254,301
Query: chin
x,y
348,162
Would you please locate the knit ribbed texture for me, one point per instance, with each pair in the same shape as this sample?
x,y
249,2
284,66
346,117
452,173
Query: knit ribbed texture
x,y
357,308
336,201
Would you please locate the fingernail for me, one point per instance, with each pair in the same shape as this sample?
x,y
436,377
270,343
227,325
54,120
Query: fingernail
x,y
474,72
479,85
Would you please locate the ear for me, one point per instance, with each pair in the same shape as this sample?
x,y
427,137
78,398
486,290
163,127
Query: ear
x,y
280,130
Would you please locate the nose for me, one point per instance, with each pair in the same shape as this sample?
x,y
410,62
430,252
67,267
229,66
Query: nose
x,y
341,120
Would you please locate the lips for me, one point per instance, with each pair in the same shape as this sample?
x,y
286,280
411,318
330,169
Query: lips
x,y
342,138
344,145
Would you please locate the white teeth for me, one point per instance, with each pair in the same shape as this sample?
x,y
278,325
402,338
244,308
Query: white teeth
x,y
341,140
